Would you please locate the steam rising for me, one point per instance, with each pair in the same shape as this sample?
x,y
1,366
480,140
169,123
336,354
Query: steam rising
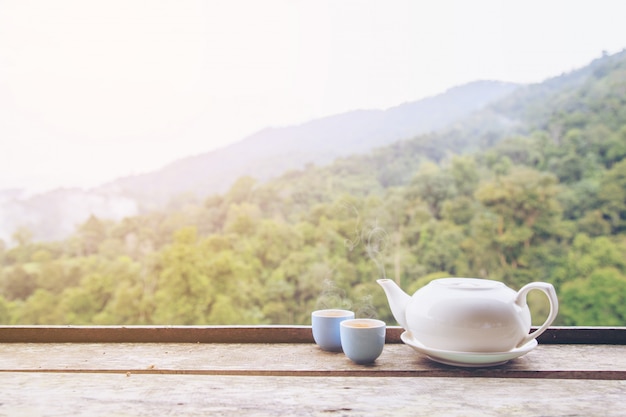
x,y
375,241
333,297
352,244
375,237
366,309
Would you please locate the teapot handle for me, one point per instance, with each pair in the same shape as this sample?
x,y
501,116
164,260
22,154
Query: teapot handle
x,y
520,300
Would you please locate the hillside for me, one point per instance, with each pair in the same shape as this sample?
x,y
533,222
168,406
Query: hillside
x,y
533,199
264,155
273,151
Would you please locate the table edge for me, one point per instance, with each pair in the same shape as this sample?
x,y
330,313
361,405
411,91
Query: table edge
x,y
252,334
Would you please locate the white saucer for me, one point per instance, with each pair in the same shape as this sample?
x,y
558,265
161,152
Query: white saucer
x,y
467,359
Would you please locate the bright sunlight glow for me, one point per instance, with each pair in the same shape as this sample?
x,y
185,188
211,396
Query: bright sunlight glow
x,y
94,90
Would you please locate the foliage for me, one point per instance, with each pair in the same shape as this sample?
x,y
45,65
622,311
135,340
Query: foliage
x,y
544,200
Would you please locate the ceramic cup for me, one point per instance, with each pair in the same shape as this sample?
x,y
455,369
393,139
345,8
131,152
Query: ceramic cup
x,y
363,340
325,324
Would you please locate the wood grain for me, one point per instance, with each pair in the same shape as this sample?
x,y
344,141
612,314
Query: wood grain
x,y
67,394
598,362
286,379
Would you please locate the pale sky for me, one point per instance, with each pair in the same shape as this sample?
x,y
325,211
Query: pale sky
x,y
94,90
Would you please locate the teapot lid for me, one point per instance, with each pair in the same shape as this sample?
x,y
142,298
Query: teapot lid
x,y
467,283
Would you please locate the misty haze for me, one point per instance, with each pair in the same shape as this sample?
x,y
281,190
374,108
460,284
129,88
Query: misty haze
x,y
522,183
201,163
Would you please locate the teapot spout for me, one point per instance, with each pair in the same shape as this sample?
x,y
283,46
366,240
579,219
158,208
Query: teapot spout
x,y
398,300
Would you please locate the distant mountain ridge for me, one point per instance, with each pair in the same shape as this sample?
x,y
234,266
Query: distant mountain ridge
x,y
263,155
272,151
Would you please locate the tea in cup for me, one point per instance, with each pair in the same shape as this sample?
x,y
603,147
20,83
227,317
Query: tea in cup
x,y
363,340
325,325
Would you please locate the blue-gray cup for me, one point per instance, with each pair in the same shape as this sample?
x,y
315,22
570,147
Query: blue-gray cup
x,y
325,325
363,340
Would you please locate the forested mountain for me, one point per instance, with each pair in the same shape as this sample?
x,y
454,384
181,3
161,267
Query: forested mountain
x,y
532,188
264,155
273,151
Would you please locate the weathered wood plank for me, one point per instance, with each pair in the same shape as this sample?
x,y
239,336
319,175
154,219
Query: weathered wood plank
x,y
157,334
250,334
546,361
41,394
584,335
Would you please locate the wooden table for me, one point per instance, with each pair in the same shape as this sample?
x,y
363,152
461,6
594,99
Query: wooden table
x,y
275,370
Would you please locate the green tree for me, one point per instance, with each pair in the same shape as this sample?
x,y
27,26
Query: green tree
x,y
439,249
615,148
5,311
184,291
235,278
465,174
40,308
599,298
128,301
242,219
241,191
91,234
21,253
433,186
18,283
23,236
612,196
526,209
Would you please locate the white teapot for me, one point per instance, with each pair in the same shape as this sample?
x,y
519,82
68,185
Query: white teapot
x,y
468,314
